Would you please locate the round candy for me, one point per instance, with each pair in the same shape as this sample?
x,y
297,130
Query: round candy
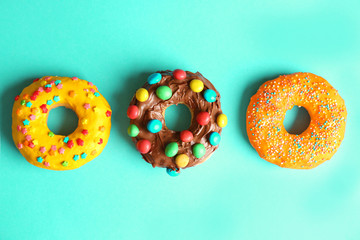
x,y
133,130
182,160
172,173
198,150
154,78
133,112
210,95
142,94
143,146
221,120
154,126
186,136
196,85
179,74
203,118
171,149
163,92
214,138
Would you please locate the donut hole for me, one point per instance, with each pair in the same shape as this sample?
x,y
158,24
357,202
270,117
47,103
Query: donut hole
x,y
62,121
297,120
177,117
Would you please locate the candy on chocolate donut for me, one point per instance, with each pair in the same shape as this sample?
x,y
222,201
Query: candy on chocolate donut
x,y
162,147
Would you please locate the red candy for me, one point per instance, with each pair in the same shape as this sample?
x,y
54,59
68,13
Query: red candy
x,y
70,143
48,89
203,118
36,93
44,108
143,146
100,141
133,112
80,142
186,136
33,97
108,113
179,74
17,97
35,80
85,132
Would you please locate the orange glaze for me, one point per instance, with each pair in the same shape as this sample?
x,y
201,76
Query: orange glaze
x,y
266,113
45,149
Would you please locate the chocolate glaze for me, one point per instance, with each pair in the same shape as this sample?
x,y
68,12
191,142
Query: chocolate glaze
x,y
154,108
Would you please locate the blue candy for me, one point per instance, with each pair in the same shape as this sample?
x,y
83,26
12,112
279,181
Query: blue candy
x,y
214,138
172,172
154,126
154,78
76,157
56,98
57,82
210,95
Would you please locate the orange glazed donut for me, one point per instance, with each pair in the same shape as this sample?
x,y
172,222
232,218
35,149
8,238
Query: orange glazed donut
x,y
43,148
266,113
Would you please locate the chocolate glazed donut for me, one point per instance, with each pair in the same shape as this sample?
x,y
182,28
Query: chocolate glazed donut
x,y
162,147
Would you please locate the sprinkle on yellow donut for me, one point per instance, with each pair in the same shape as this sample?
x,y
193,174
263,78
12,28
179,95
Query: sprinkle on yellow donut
x,y
43,148
266,113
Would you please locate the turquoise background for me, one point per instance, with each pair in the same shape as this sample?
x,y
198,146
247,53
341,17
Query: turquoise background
x,y
237,45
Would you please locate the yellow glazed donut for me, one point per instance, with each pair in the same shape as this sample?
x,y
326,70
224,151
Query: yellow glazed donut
x,y
266,113
43,148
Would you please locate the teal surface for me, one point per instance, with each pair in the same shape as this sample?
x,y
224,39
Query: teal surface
x,y
237,45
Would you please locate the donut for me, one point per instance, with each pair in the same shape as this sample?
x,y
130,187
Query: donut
x,y
43,148
163,147
266,113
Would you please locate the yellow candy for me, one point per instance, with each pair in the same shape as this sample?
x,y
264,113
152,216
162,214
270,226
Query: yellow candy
x,y
142,95
221,120
182,160
196,85
43,83
84,121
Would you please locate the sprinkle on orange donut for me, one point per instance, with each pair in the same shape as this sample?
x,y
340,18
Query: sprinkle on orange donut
x,y
266,113
43,148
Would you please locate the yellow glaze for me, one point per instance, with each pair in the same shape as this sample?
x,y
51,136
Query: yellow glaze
x,y
44,149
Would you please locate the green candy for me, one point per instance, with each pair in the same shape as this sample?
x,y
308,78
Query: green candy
x,y
65,163
163,92
171,149
22,102
198,150
133,130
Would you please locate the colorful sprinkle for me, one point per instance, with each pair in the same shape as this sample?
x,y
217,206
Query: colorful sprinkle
x,y
59,86
39,159
47,164
28,104
108,113
23,102
83,155
44,108
76,157
87,106
49,102
56,98
70,143
61,150
85,132
80,142
65,163
97,94
66,139
26,122
57,82
32,117
42,149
